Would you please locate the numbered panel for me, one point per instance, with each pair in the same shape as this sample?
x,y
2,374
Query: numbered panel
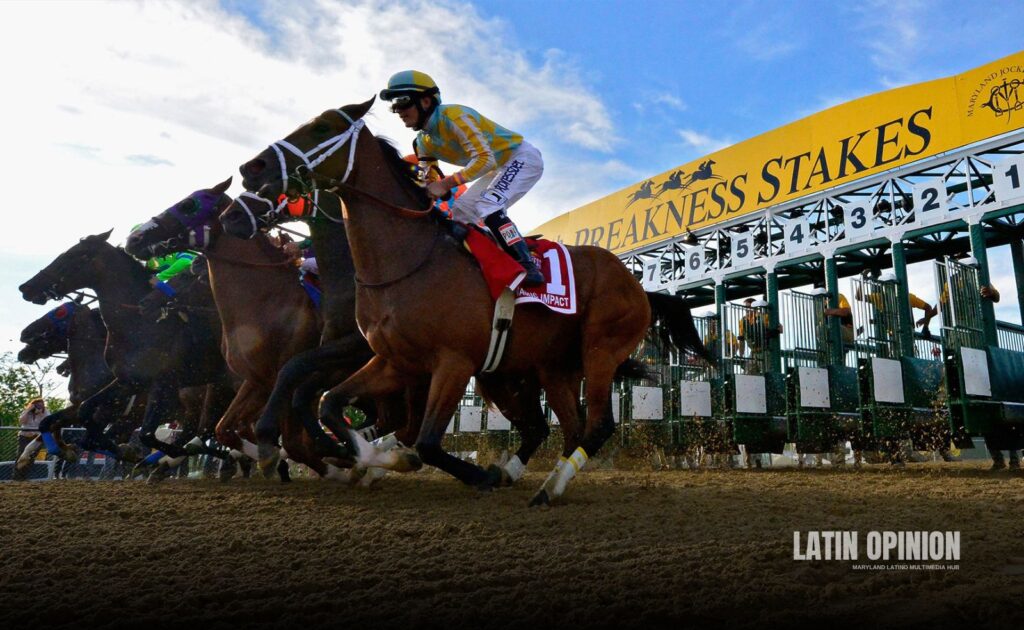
x,y
742,249
695,399
888,379
470,419
496,421
652,274
976,377
797,233
647,403
814,387
930,200
751,396
857,220
694,260
1008,180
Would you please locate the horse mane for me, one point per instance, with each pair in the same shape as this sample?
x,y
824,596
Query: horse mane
x,y
400,169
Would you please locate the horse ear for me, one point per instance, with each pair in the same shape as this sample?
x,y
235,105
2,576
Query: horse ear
x,y
221,187
99,237
358,111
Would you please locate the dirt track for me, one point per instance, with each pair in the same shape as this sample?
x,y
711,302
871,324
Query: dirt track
x,y
627,548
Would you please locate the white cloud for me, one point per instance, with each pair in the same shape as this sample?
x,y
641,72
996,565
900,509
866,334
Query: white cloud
x,y
893,35
124,108
703,142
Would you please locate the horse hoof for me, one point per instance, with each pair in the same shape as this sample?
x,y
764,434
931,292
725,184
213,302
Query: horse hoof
x,y
228,469
282,471
268,466
540,499
496,477
408,461
159,474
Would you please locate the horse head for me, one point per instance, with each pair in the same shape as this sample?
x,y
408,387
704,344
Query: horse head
x,y
188,224
68,272
288,166
47,335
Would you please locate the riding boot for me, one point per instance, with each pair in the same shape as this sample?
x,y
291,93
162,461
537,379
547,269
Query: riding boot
x,y
507,235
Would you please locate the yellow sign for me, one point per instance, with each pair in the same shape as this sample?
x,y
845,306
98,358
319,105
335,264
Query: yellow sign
x,y
839,145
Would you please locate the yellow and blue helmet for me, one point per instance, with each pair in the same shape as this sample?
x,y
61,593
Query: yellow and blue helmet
x,y
409,83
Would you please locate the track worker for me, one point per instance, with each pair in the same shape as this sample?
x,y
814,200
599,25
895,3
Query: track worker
x,y
504,165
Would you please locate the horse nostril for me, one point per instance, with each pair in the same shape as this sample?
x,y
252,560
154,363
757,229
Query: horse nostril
x,y
254,167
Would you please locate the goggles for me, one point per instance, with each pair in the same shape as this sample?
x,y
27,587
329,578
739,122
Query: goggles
x,y
402,101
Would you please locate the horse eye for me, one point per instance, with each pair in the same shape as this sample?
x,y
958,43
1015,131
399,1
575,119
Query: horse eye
x,y
321,128
189,206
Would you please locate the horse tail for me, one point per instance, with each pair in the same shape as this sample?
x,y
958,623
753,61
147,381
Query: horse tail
x,y
674,322
632,368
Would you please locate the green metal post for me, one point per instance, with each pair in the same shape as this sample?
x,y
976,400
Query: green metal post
x,y
1017,253
775,344
906,314
720,299
835,332
988,311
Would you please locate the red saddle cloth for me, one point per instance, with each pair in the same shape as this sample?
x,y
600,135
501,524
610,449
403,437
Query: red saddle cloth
x,y
500,270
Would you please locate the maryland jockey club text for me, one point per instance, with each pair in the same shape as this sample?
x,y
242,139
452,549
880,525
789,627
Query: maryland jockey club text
x,y
880,545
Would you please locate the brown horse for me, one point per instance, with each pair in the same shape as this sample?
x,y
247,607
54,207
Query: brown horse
x,y
426,311
266,316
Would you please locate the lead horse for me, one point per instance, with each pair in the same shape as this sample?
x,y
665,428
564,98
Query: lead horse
x,y
426,310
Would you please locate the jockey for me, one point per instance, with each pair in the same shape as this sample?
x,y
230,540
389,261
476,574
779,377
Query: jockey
x,y
166,267
505,165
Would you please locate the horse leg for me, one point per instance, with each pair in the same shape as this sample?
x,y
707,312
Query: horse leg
x,y
519,401
447,386
246,404
160,400
562,393
599,366
299,447
351,350
376,379
93,422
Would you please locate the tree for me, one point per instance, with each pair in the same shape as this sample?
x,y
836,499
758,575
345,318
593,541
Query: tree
x,y
21,383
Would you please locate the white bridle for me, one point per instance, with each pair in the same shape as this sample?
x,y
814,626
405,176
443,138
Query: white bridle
x,y
325,149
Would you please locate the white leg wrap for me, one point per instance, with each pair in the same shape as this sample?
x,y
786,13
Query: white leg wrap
x,y
558,468
338,474
514,467
172,462
250,449
386,442
31,449
236,454
576,461
371,476
283,454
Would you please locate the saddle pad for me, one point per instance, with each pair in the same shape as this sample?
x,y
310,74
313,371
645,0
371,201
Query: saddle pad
x,y
501,270
559,292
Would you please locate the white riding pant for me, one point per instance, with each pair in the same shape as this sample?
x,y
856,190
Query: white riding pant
x,y
502,187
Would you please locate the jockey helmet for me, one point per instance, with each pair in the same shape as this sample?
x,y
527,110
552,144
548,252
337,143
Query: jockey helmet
x,y
405,89
409,83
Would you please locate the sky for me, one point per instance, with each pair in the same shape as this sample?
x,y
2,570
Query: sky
x,y
114,111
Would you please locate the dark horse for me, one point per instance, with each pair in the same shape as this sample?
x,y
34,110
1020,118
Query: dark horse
x,y
79,331
266,316
342,349
156,358
426,311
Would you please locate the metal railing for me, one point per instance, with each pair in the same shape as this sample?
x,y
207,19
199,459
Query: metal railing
x,y
959,304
